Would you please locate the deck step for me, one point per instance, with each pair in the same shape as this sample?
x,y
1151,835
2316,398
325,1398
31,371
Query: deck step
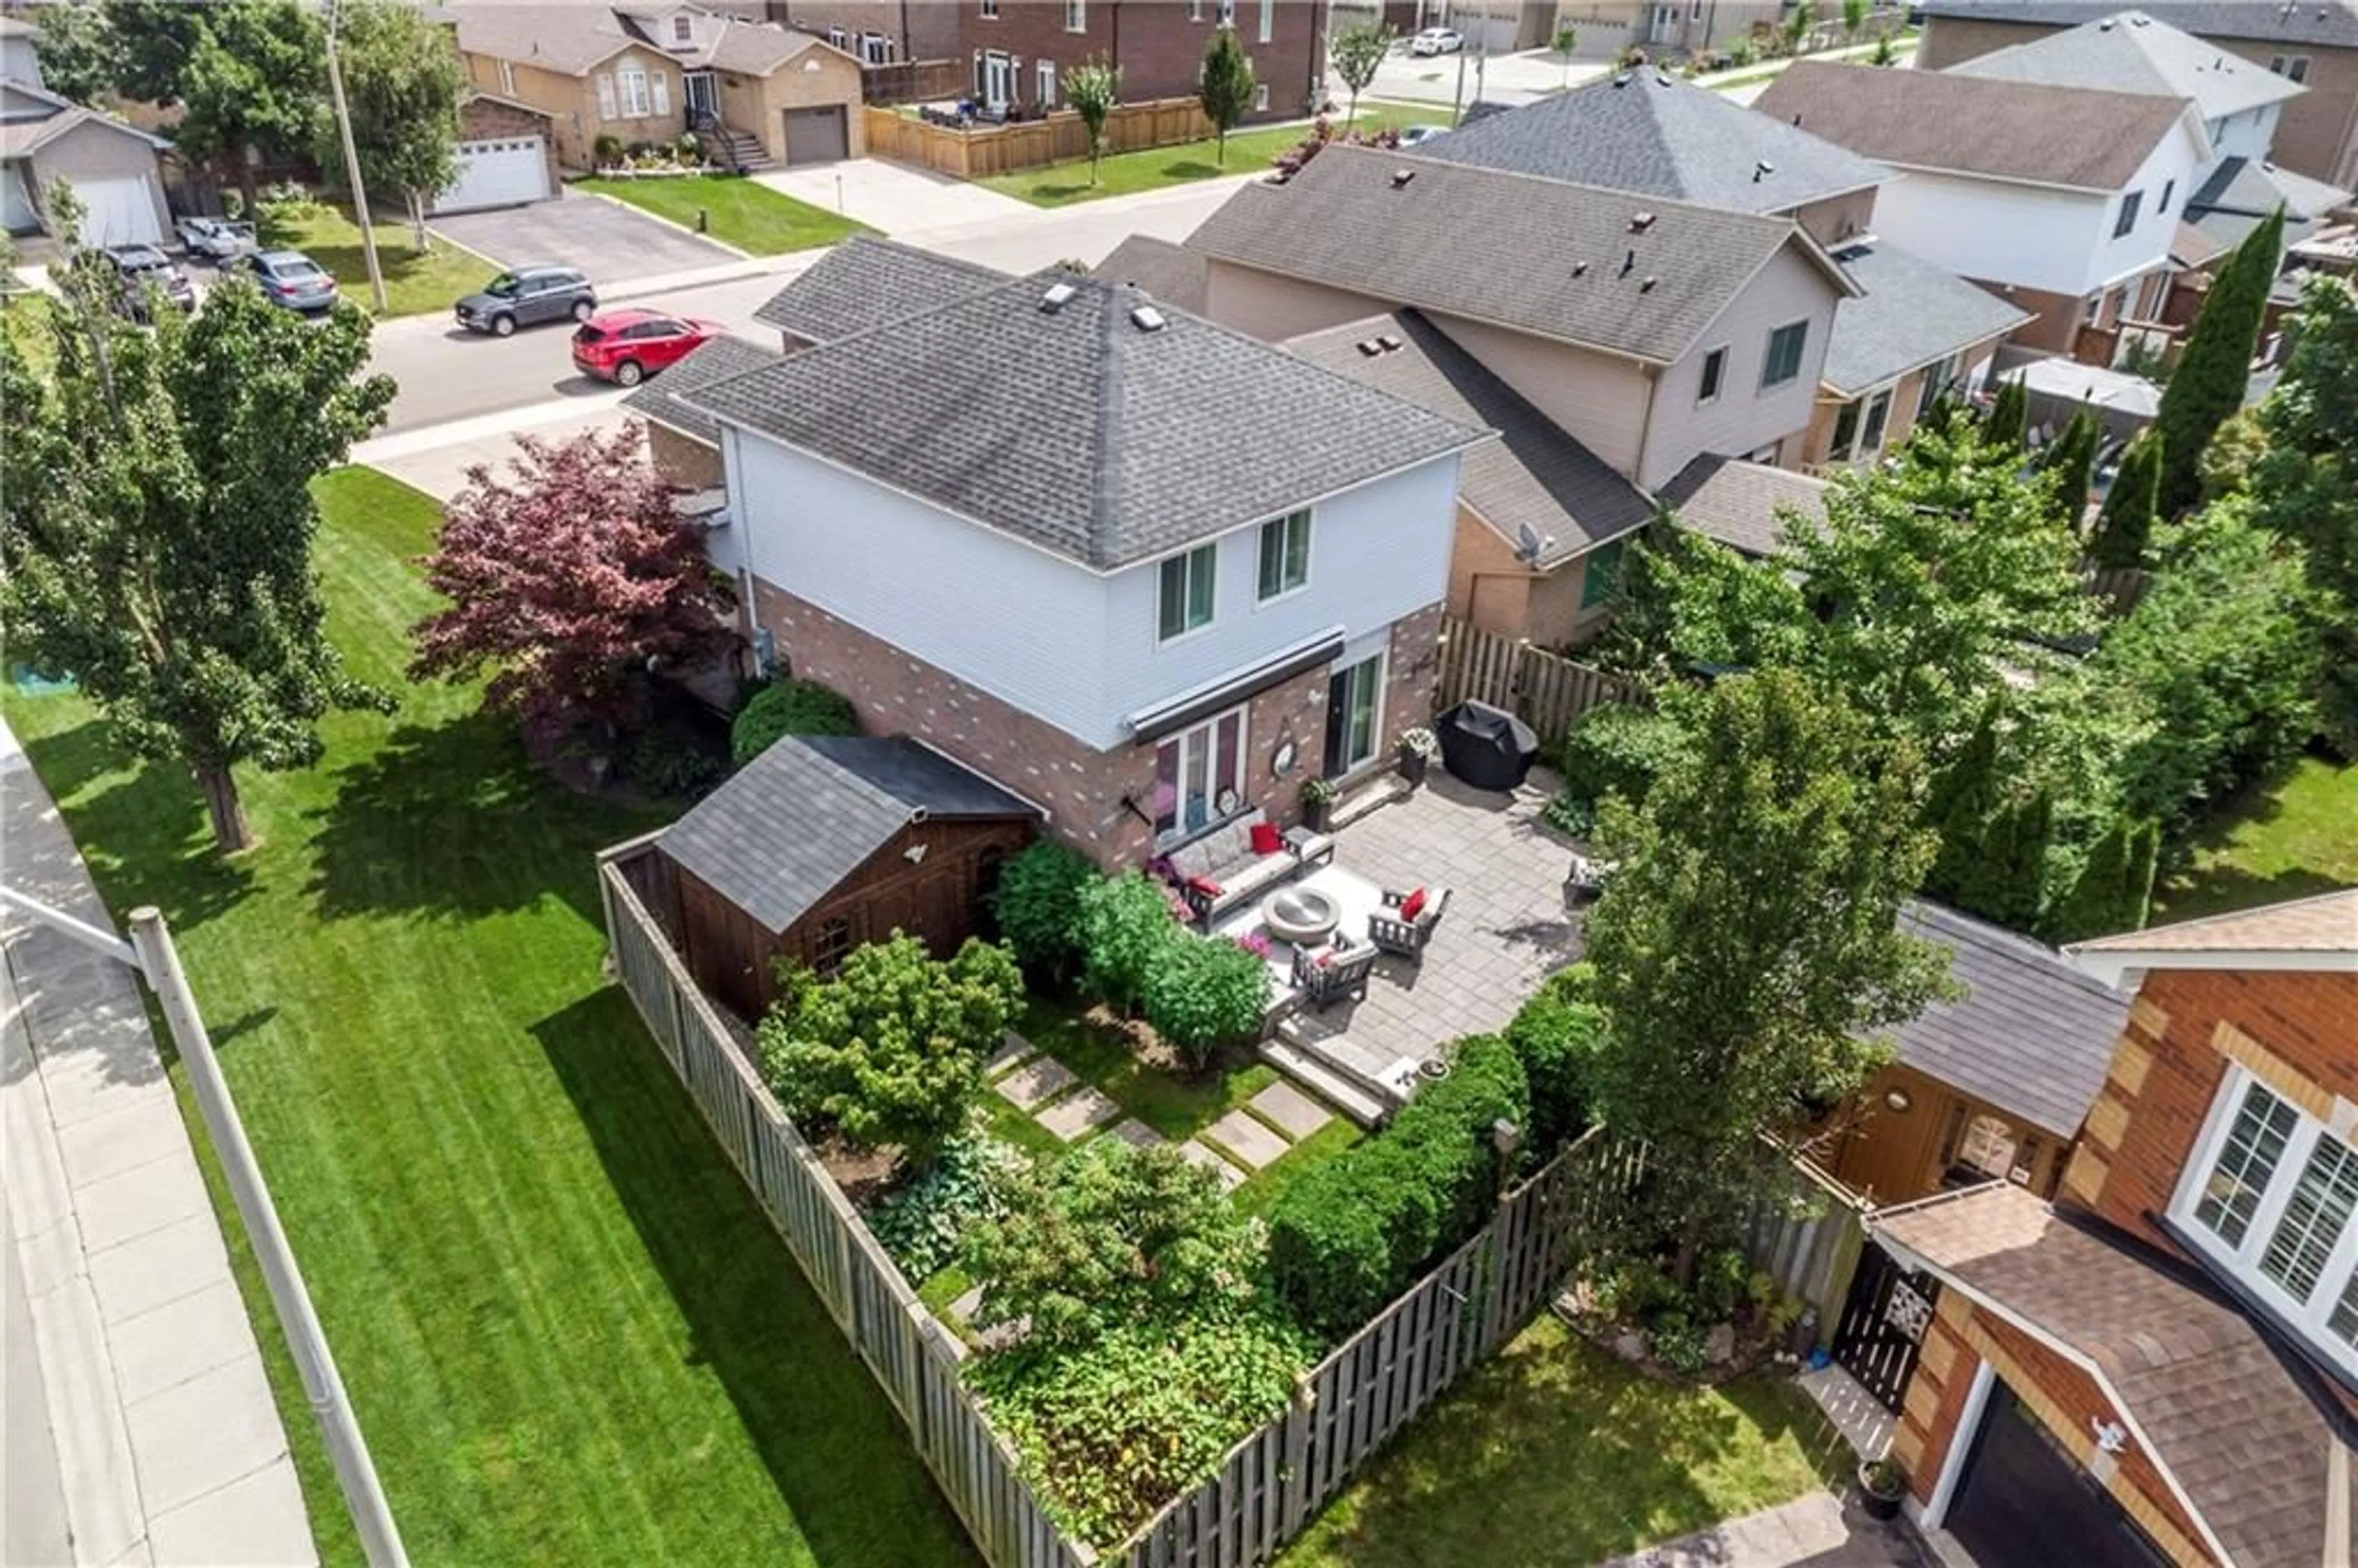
x,y
1368,1109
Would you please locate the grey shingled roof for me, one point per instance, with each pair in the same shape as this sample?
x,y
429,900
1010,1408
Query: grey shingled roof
x,y
2328,22
1539,256
866,282
1912,314
2072,136
1534,473
573,39
1643,131
798,819
1172,273
2032,1036
2133,52
1077,429
2239,193
1736,503
660,398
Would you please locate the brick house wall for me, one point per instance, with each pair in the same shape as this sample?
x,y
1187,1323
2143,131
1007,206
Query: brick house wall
x,y
487,120
1158,44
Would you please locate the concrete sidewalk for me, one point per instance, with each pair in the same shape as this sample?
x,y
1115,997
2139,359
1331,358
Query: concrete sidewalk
x,y
1821,1531
154,1422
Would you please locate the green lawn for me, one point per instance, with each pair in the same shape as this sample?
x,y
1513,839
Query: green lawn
x,y
741,212
414,285
1555,1453
2294,836
569,1333
1126,174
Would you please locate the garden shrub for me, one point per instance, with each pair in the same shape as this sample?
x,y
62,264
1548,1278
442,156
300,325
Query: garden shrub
x,y
1557,1036
925,1224
1125,924
607,150
787,707
1616,749
1202,993
1038,906
675,759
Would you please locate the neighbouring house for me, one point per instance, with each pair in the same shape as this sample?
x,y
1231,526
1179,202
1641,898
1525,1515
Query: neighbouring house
x,y
19,59
2313,43
1667,27
864,283
1168,271
1742,505
822,844
2064,201
2162,1363
759,93
507,154
112,167
1145,571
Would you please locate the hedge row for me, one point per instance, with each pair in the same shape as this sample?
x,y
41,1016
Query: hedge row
x,y
1557,1037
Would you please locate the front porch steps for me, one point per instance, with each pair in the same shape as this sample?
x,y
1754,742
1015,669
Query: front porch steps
x,y
1367,1104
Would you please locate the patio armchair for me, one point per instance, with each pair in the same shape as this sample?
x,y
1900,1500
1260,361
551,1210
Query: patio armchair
x,y
1332,973
1406,922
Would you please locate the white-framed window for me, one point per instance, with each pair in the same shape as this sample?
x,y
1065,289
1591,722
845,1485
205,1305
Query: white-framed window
x,y
838,37
2169,189
875,49
1194,10
1782,362
2291,67
1937,379
1261,98
1845,439
1199,775
2269,1193
1715,372
990,10
1184,597
605,97
2128,214
1284,556
1228,13
1076,15
1268,20
683,28
1047,75
638,97
1878,415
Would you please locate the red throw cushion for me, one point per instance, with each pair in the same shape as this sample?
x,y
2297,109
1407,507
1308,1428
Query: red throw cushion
x,y
1412,905
1205,886
1266,839
1325,959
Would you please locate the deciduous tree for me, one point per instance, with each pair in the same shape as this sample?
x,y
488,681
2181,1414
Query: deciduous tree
x,y
2125,522
403,85
1357,54
1093,88
1226,90
254,81
2305,488
76,49
157,520
153,42
2215,372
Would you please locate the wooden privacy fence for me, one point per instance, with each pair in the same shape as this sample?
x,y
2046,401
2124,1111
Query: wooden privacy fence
x,y
1811,1246
1060,137
2119,587
912,80
1545,690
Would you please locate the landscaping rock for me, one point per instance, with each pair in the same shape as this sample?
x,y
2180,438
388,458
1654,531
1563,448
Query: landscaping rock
x,y
1035,1084
1630,1346
1290,1110
1077,1113
1719,1344
1253,1144
1195,1154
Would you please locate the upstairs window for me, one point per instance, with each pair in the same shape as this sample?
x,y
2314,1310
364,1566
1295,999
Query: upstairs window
x,y
1284,555
1268,20
1783,362
1715,371
2169,189
683,28
990,10
1076,15
1185,596
2127,220
2291,67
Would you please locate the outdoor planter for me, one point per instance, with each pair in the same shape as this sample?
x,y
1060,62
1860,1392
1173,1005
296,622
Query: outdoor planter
x,y
1881,1487
1416,750
1318,806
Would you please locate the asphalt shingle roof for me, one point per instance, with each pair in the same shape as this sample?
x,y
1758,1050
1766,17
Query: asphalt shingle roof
x,y
1171,273
1912,314
2131,52
2328,22
1078,427
573,39
1533,474
661,398
2326,925
2239,193
798,819
2072,136
1645,132
1736,503
1540,256
866,282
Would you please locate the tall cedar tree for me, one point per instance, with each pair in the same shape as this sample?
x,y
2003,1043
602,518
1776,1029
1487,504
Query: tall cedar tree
x,y
2072,459
2008,422
156,519
1358,54
2215,372
1963,797
2116,887
2006,879
1789,830
2124,524
1092,88
256,80
571,579
403,83
1226,89
2305,488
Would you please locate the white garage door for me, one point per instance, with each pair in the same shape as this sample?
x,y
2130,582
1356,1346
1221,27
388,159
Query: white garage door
x,y
498,173
118,212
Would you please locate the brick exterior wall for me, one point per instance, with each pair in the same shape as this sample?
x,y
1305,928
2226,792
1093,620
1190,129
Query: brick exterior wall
x,y
1159,44
481,119
1080,787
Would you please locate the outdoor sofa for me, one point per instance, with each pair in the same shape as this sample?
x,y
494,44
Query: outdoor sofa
x,y
1223,871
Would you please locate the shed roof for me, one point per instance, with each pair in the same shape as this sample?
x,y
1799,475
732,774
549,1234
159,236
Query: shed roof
x,y
1912,314
2132,51
1738,503
789,826
2328,22
664,399
866,282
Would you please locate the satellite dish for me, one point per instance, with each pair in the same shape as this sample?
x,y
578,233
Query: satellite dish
x,y
1531,544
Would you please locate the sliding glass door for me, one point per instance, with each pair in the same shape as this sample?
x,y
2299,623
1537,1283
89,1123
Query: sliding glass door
x,y
1355,714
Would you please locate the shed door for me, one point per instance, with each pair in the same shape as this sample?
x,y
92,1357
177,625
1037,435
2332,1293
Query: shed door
x,y
120,211
504,173
817,136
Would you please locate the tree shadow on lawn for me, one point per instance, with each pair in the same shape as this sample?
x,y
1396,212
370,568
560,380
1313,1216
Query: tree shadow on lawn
x,y
830,1439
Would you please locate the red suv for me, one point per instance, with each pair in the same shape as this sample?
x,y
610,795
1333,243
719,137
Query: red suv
x,y
628,346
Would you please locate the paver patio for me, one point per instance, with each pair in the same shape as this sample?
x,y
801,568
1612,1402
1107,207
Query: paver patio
x,y
1290,1110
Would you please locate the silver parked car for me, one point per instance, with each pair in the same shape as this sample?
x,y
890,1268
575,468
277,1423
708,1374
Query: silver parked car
x,y
216,239
288,278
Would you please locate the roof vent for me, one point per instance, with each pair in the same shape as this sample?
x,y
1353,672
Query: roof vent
x,y
1059,294
1640,222
1147,319
1646,286
1661,78
1580,269
1369,347
1622,80
1401,177
1762,169
1389,344
2106,25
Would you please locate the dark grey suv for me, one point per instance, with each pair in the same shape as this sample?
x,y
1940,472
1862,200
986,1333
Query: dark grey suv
x,y
527,296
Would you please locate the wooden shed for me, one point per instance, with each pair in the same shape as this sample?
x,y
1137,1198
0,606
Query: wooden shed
x,y
819,845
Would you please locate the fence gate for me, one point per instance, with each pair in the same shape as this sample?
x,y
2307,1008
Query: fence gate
x,y
1883,1325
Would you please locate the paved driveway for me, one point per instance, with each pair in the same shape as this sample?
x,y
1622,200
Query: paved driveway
x,y
605,239
897,197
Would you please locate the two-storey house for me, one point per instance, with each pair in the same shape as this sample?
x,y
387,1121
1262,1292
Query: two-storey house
x,y
2162,1364
2063,201
1145,571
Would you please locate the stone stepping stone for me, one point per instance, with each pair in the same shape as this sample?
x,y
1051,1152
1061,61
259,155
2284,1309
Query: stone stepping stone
x,y
1077,1113
1252,1144
1036,1081
1136,1134
963,1308
1012,1052
1290,1110
1195,1154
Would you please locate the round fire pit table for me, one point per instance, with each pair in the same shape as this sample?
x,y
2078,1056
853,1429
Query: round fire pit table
x,y
1300,916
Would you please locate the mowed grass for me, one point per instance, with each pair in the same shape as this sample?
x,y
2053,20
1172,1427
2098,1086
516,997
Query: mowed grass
x,y
415,285
740,212
1556,1453
1127,174
2291,837
568,1332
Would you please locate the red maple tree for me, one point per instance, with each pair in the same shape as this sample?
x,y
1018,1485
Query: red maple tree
x,y
572,577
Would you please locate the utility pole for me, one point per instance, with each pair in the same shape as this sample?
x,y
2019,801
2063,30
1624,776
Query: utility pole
x,y
353,162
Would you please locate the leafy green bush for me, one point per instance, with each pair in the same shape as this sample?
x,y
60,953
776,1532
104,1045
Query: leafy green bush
x,y
1678,1344
1616,749
1557,1036
925,1224
1353,1234
1124,927
675,761
1571,816
789,707
890,1051
607,150
1038,905
1202,993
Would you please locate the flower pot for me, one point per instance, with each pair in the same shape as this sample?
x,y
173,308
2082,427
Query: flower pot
x,y
1412,765
1878,1504
1318,816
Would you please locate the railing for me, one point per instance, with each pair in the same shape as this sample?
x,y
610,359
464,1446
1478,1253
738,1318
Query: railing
x,y
1058,138
1546,690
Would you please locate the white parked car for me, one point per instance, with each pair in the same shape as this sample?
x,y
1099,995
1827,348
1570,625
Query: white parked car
x,y
1417,135
216,239
1437,40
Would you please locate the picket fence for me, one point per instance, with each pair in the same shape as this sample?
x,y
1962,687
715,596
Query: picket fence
x,y
1546,690
1059,137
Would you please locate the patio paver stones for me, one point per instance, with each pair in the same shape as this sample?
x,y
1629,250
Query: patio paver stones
x,y
1196,1154
1290,1110
1135,1132
1034,1084
1012,1052
1241,1135
1077,1113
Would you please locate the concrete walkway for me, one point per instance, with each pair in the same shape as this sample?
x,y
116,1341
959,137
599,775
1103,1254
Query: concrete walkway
x,y
895,198
151,1427
1819,1531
